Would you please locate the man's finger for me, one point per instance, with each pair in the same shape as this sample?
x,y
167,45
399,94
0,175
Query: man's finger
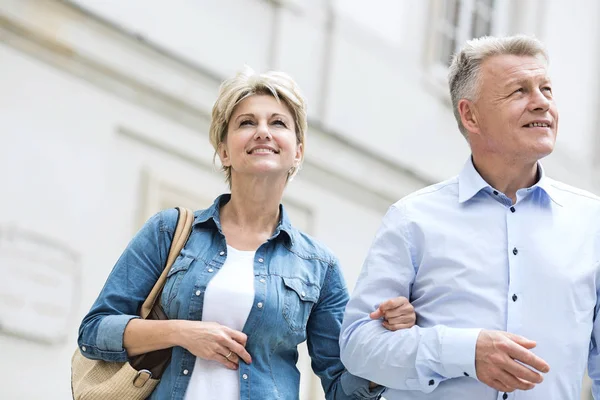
x,y
519,353
513,382
522,372
523,341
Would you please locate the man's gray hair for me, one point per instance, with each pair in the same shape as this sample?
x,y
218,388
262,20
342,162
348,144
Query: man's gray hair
x,y
464,74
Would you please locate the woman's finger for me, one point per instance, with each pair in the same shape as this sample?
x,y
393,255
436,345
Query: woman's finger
x,y
239,350
402,319
226,362
396,327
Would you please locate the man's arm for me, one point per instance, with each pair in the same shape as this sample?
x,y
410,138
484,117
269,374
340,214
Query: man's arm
x,y
410,359
420,358
594,355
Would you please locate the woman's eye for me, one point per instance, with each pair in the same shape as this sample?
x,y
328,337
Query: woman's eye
x,y
279,122
246,122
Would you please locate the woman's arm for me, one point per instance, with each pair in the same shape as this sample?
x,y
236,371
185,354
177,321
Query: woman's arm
x,y
112,329
323,331
208,340
127,286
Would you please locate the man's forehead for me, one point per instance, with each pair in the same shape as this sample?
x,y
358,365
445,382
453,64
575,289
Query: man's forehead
x,y
505,69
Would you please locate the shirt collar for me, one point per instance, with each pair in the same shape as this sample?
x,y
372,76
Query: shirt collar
x,y
470,183
212,214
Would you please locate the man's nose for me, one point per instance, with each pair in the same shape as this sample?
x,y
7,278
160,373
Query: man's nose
x,y
539,101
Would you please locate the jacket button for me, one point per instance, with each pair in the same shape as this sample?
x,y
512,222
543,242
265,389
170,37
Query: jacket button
x,y
245,376
83,348
259,305
210,270
185,372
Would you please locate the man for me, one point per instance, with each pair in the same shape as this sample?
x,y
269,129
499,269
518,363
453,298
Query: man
x,y
501,262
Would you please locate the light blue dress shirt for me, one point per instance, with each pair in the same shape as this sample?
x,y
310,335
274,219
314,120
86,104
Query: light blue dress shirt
x,y
468,259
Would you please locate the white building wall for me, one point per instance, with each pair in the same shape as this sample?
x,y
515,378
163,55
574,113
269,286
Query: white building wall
x,y
104,115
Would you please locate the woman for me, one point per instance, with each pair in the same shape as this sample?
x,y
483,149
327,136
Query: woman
x,y
248,287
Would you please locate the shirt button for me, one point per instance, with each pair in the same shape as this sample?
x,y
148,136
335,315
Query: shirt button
x,y
514,297
431,382
515,251
260,260
262,280
185,372
245,376
210,270
512,209
83,348
505,396
496,192
259,305
198,293
302,294
222,253
465,374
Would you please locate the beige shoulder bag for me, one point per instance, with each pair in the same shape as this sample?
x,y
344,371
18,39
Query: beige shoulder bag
x,y
137,378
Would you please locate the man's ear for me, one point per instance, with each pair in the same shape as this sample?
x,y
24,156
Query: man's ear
x,y
468,116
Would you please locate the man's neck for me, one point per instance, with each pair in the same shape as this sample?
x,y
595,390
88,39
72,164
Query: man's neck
x,y
506,176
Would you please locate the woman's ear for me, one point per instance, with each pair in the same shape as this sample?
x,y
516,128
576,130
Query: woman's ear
x,y
224,155
299,153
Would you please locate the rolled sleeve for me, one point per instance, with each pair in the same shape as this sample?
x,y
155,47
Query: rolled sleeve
x,y
359,387
458,352
110,332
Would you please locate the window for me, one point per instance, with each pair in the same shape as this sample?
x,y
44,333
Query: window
x,y
456,21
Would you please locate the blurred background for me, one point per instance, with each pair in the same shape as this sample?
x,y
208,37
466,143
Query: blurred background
x,y
104,114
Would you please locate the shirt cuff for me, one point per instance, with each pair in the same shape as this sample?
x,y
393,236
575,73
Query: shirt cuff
x,y
111,330
359,387
458,352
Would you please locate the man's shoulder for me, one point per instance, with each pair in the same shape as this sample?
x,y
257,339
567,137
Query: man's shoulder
x,y
568,194
445,190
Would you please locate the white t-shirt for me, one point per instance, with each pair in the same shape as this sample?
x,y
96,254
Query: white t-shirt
x,y
228,300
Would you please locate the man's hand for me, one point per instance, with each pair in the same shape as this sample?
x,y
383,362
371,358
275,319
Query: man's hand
x,y
496,357
397,313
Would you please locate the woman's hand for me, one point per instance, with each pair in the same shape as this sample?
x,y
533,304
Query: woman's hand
x,y
213,341
397,313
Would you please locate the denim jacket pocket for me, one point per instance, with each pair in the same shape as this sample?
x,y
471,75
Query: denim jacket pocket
x,y
299,298
174,277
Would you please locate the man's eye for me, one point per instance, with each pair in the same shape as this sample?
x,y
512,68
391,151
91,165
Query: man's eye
x,y
547,89
519,90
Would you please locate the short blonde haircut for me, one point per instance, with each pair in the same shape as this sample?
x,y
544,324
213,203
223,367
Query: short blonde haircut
x,y
465,70
248,83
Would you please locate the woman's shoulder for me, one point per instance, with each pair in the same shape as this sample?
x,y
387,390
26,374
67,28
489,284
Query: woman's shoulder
x,y
308,247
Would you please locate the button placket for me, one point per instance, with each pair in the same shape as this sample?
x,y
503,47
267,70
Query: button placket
x,y
513,321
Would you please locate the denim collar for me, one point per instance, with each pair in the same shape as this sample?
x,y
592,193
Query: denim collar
x,y
212,214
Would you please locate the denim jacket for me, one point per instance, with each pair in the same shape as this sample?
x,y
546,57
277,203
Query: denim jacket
x,y
300,295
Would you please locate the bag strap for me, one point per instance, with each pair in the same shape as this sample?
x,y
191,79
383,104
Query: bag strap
x,y
180,237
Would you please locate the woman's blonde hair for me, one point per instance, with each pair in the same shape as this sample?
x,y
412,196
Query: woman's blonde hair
x,y
248,83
